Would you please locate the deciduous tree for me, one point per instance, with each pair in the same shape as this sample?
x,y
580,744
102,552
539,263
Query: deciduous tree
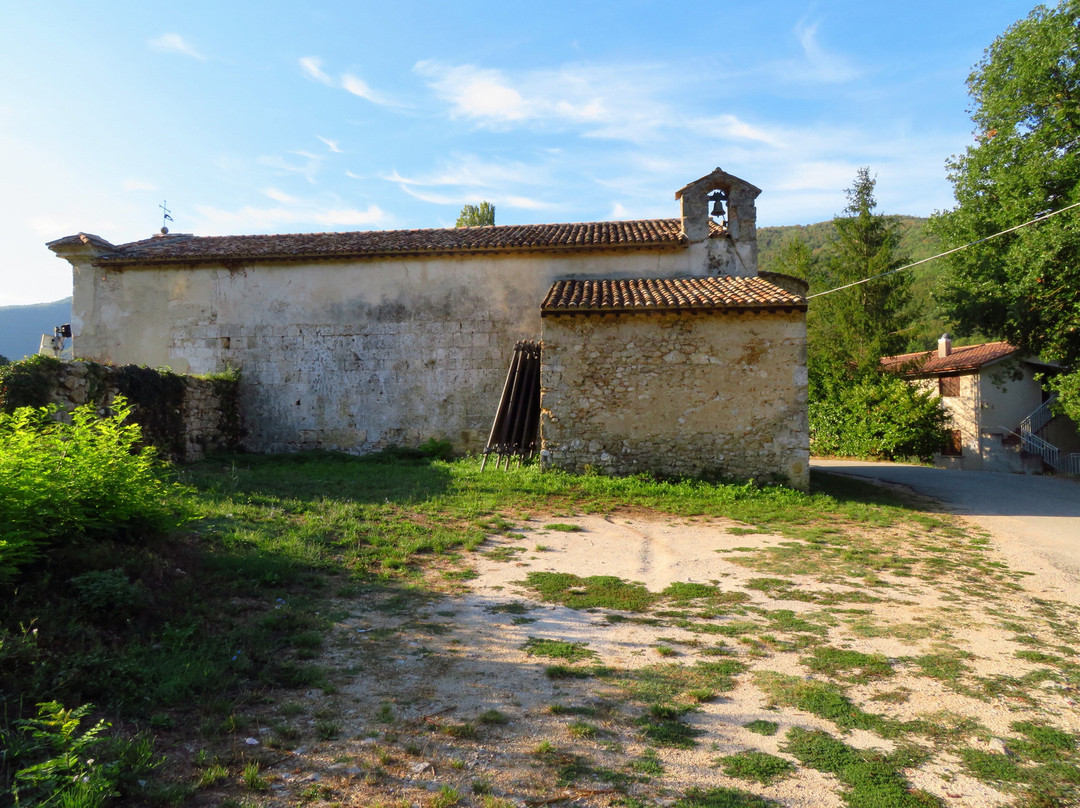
x,y
476,215
1024,161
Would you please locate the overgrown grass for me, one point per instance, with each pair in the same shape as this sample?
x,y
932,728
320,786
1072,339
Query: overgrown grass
x,y
202,621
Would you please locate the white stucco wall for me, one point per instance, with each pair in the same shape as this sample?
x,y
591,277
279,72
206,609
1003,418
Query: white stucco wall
x,y
351,355
992,403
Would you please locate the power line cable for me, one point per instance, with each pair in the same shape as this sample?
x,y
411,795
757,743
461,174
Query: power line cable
x,y
1040,218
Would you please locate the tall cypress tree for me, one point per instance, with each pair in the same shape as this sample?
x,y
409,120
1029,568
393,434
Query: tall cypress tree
x,y
855,327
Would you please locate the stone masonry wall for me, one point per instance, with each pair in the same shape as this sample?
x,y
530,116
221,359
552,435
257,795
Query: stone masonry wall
x,y
200,416
677,394
342,355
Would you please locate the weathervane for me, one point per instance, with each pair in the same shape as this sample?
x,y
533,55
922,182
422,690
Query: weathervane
x,y
165,208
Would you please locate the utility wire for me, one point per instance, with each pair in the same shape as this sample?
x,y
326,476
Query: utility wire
x,y
1040,218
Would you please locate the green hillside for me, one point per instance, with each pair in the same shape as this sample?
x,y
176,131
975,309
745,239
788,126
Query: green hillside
x,y
916,243
21,327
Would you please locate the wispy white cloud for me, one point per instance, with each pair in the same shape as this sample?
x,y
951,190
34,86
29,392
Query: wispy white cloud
x,y
175,43
475,180
332,145
280,196
360,88
312,68
472,171
817,65
138,185
309,168
292,214
612,101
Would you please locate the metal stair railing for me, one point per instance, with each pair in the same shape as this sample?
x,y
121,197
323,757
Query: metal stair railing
x,y
1044,449
1033,444
1033,424
1071,463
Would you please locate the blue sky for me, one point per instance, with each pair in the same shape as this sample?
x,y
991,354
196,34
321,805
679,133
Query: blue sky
x,y
261,117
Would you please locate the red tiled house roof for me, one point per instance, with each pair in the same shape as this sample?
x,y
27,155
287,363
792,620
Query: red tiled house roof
x,y
963,358
661,234
667,294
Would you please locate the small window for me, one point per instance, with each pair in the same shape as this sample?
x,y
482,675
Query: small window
x,y
948,386
953,444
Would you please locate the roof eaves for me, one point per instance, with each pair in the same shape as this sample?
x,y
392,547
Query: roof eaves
x,y
120,260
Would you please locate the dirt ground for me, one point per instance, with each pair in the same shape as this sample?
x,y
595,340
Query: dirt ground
x,y
448,701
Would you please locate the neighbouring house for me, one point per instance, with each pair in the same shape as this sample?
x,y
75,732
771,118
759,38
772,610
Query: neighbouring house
x,y
360,340
1001,417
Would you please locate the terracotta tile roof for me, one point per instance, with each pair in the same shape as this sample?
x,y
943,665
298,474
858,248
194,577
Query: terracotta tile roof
x,y
667,294
186,248
965,357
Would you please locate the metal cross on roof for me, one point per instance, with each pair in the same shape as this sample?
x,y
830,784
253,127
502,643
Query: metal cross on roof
x,y
165,208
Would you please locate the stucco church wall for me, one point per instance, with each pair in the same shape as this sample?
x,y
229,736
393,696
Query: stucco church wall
x,y
679,394
350,355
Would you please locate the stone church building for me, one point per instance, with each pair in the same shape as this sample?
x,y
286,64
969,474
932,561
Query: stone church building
x,y
663,347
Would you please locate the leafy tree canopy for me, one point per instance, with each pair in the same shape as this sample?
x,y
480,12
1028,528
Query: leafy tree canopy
x,y
1025,161
476,215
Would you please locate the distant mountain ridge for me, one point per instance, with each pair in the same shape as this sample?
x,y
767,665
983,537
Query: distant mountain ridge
x,y
21,327
916,243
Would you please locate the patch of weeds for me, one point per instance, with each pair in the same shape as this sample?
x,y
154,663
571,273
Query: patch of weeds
x,y
594,592
558,649
700,695
663,725
648,763
873,779
562,709
947,666
853,666
523,621
994,767
666,651
897,696
503,553
566,672
582,729
291,676
787,620
1041,742
947,727
671,682
757,766
563,527
327,730
823,700
253,779
723,798
446,797
781,589
683,592
493,717
514,607
213,774
385,713
463,731
731,628
569,768
763,727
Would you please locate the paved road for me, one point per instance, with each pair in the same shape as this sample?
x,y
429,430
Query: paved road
x,y
1035,520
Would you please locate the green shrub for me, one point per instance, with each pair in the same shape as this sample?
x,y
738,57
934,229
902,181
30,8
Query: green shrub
x,y
65,482
877,416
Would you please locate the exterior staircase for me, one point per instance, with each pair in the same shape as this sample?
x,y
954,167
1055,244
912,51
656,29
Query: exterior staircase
x,y
1032,441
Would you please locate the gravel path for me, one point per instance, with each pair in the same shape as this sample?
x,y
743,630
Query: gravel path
x,y
1034,520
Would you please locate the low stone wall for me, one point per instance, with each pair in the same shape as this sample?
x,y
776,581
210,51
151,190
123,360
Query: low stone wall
x,y
694,394
183,416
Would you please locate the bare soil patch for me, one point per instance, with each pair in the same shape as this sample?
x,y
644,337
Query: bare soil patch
x,y
930,658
